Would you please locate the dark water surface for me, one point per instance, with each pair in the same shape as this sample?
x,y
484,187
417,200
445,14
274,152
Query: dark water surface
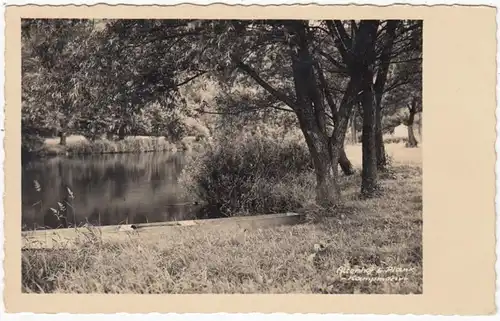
x,y
107,190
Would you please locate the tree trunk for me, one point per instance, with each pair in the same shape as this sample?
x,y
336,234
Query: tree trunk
x,y
379,136
379,140
362,66
62,138
310,111
412,141
379,87
324,94
323,155
342,122
354,136
369,173
344,163
419,128
121,132
327,189
360,61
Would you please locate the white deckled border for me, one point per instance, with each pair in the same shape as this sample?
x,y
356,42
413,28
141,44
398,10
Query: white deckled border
x,y
251,2
225,316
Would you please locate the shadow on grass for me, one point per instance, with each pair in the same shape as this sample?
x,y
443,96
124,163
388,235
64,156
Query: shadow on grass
x,y
383,232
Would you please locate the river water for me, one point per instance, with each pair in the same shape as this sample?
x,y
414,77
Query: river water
x,y
103,190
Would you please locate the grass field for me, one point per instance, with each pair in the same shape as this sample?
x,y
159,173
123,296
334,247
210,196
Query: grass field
x,y
385,233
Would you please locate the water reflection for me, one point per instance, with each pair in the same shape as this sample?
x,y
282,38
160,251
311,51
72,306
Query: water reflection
x,y
107,189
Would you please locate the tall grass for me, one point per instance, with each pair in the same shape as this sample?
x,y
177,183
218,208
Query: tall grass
x,y
250,174
56,215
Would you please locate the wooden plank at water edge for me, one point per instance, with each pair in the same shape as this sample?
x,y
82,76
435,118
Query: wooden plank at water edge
x,y
70,237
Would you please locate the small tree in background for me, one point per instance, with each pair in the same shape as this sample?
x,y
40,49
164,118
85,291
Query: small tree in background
x,y
53,52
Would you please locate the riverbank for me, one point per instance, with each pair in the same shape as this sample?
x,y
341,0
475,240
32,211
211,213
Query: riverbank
x,y
79,145
309,258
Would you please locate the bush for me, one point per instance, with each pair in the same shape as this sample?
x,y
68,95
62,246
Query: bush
x,y
30,142
250,175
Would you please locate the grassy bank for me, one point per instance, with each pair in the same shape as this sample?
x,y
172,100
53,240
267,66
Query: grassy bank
x,y
385,232
132,144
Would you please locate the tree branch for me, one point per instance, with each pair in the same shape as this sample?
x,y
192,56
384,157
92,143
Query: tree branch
x,y
252,73
326,92
342,33
397,84
340,38
332,60
385,60
408,60
319,28
187,80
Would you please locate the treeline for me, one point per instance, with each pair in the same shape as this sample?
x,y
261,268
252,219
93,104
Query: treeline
x,y
130,77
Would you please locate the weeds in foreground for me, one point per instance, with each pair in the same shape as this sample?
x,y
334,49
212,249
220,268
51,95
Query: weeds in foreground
x,y
56,216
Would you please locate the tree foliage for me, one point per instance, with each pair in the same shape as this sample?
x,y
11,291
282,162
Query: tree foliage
x,y
129,77
53,52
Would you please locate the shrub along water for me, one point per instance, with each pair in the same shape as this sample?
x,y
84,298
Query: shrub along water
x,y
104,146
127,145
250,174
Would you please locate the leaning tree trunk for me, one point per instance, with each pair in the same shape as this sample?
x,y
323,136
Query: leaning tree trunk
x,y
319,95
344,162
342,122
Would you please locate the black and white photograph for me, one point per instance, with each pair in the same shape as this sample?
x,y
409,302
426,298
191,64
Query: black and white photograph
x,y
186,156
